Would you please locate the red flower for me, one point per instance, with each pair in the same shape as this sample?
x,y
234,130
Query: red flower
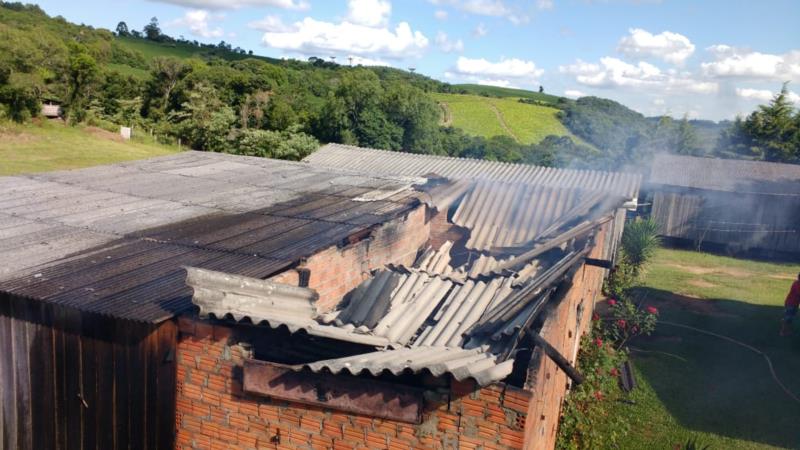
x,y
612,302
621,323
614,372
595,317
598,342
652,310
598,395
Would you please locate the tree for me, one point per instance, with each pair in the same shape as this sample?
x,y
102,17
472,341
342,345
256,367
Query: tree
x,y
122,29
686,141
289,144
770,133
81,74
204,121
541,89
151,30
165,73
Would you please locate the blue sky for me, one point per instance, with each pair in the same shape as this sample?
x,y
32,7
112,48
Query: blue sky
x,y
704,59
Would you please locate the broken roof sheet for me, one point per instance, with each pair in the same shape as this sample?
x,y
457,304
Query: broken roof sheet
x,y
415,165
112,239
460,363
729,175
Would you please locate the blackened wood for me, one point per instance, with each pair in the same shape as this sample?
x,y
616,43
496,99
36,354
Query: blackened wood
x,y
88,388
8,390
72,368
562,362
137,359
150,348
122,386
345,393
104,362
22,380
167,356
60,378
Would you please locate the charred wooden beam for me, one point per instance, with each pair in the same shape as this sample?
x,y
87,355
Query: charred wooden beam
x,y
562,362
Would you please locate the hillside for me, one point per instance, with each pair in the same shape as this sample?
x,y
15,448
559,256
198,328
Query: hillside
x,y
507,116
46,145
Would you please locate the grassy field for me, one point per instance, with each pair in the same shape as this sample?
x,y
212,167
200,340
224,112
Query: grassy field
x,y
487,116
151,50
697,386
497,91
53,146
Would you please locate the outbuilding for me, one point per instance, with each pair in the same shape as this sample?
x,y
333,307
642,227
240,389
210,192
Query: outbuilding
x,y
203,300
728,204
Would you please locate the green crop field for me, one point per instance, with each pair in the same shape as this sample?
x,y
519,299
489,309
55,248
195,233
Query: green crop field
x,y
49,145
487,116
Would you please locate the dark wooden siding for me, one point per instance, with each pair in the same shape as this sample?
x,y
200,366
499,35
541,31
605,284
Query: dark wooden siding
x,y
75,381
747,221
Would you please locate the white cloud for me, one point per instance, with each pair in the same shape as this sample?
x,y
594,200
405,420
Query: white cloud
x,y
671,47
362,61
731,62
269,23
764,95
480,30
492,82
314,37
440,14
448,45
612,72
505,68
491,8
574,93
197,21
544,4
370,13
235,4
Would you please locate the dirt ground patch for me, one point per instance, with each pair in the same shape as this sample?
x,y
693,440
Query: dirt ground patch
x,y
101,133
707,270
783,276
10,137
702,283
688,303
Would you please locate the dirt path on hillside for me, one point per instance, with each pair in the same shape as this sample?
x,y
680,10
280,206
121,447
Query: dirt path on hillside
x,y
447,115
502,121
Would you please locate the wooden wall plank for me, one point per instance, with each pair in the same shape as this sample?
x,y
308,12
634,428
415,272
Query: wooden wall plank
x,y
7,385
22,381
167,357
72,389
122,386
104,392
88,387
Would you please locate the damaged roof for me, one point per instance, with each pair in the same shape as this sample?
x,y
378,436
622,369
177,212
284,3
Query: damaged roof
x,y
416,165
729,175
113,239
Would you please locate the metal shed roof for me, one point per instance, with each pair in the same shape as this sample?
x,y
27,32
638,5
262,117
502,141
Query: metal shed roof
x,y
729,175
113,239
409,164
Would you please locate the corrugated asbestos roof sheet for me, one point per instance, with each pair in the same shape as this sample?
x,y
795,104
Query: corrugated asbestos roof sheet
x,y
113,239
725,174
410,164
460,363
510,214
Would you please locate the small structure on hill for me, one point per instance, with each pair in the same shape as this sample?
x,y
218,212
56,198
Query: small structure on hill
x,y
52,110
734,204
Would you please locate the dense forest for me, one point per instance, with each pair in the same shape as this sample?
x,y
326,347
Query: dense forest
x,y
224,99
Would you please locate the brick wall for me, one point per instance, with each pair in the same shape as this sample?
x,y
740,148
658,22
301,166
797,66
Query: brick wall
x,y
442,230
213,412
336,271
563,329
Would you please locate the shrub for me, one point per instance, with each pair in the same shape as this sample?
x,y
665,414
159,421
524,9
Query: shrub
x,y
590,404
627,321
290,144
639,242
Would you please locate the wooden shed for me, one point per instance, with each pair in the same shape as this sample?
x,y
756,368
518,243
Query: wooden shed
x,y
740,205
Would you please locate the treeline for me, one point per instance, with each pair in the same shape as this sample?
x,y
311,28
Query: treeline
x,y
626,138
225,101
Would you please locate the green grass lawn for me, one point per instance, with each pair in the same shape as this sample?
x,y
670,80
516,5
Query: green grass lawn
x,y
692,385
489,116
49,145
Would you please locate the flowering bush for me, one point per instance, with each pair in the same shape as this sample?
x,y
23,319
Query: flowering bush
x,y
590,404
627,321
